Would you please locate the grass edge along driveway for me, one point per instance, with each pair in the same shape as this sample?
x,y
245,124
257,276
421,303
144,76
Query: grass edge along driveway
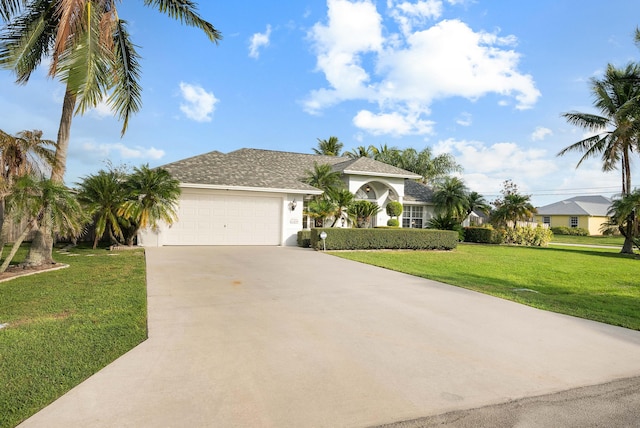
x,y
65,325
592,283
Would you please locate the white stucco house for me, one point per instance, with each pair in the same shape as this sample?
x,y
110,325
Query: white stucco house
x,y
256,197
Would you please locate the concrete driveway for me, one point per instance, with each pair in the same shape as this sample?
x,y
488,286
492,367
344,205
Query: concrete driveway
x,y
286,337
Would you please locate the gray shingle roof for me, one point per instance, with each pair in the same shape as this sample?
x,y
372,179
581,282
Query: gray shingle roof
x,y
579,205
417,192
269,169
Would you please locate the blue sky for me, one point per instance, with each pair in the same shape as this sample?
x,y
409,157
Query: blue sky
x,y
486,81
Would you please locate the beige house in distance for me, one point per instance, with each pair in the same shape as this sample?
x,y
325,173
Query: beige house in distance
x,y
587,212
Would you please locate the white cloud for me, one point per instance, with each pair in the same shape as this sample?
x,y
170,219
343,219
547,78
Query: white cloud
x,y
465,119
541,133
106,150
259,40
199,104
102,110
363,60
393,123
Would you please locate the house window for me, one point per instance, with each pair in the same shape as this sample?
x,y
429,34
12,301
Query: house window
x,y
546,220
412,216
573,222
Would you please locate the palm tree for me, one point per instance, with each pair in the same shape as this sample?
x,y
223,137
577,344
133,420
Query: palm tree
x,y
323,177
90,51
361,152
330,147
625,210
617,98
342,200
362,211
34,197
513,207
152,197
451,199
386,154
477,202
423,163
102,195
22,154
319,210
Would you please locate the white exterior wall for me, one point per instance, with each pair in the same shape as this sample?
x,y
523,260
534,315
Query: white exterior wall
x,y
289,222
381,186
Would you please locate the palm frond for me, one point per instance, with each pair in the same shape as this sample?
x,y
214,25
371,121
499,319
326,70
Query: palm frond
x,y
8,8
185,11
126,97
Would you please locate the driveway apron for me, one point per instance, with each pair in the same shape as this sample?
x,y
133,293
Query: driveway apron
x,y
288,337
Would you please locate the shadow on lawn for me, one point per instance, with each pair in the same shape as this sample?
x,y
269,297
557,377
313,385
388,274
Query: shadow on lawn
x,y
591,252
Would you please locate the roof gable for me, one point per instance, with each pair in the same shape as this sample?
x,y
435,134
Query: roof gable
x,y
579,205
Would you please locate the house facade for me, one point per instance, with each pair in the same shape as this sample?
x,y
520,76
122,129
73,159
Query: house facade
x,y
256,197
587,212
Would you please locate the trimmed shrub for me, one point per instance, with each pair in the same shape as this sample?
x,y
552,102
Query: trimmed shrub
x,y
394,209
393,222
304,238
482,235
529,236
380,238
575,231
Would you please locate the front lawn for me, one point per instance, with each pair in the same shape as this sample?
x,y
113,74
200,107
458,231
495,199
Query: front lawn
x,y
65,325
615,241
597,284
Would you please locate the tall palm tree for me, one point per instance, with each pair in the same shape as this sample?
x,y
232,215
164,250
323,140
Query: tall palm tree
x,y
323,177
35,197
330,147
386,154
451,199
90,51
102,195
617,97
152,197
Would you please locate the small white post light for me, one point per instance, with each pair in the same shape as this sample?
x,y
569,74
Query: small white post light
x,y
323,236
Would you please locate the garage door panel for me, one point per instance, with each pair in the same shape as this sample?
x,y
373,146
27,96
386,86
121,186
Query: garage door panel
x,y
215,219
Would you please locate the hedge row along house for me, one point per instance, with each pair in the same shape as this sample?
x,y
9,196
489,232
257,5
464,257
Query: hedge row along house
x,y
257,197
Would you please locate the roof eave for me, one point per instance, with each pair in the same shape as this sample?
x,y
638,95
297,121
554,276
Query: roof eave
x,y
381,174
251,189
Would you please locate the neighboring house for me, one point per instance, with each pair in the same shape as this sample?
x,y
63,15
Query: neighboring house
x,y
256,197
587,212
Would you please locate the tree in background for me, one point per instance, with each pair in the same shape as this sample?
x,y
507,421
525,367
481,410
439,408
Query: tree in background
x,y
330,147
512,207
102,196
361,152
617,128
451,199
152,197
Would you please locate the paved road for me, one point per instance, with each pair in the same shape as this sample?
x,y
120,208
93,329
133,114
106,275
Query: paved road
x,y
287,337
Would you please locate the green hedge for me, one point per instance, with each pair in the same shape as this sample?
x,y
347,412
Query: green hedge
x,y
304,238
392,238
482,235
575,231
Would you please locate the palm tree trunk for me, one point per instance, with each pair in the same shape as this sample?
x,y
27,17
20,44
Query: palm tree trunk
x,y
16,245
41,250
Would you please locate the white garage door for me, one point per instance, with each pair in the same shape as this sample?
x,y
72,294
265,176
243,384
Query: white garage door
x,y
215,219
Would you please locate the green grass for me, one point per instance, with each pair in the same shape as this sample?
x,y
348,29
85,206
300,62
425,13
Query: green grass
x,y
66,325
589,240
596,284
